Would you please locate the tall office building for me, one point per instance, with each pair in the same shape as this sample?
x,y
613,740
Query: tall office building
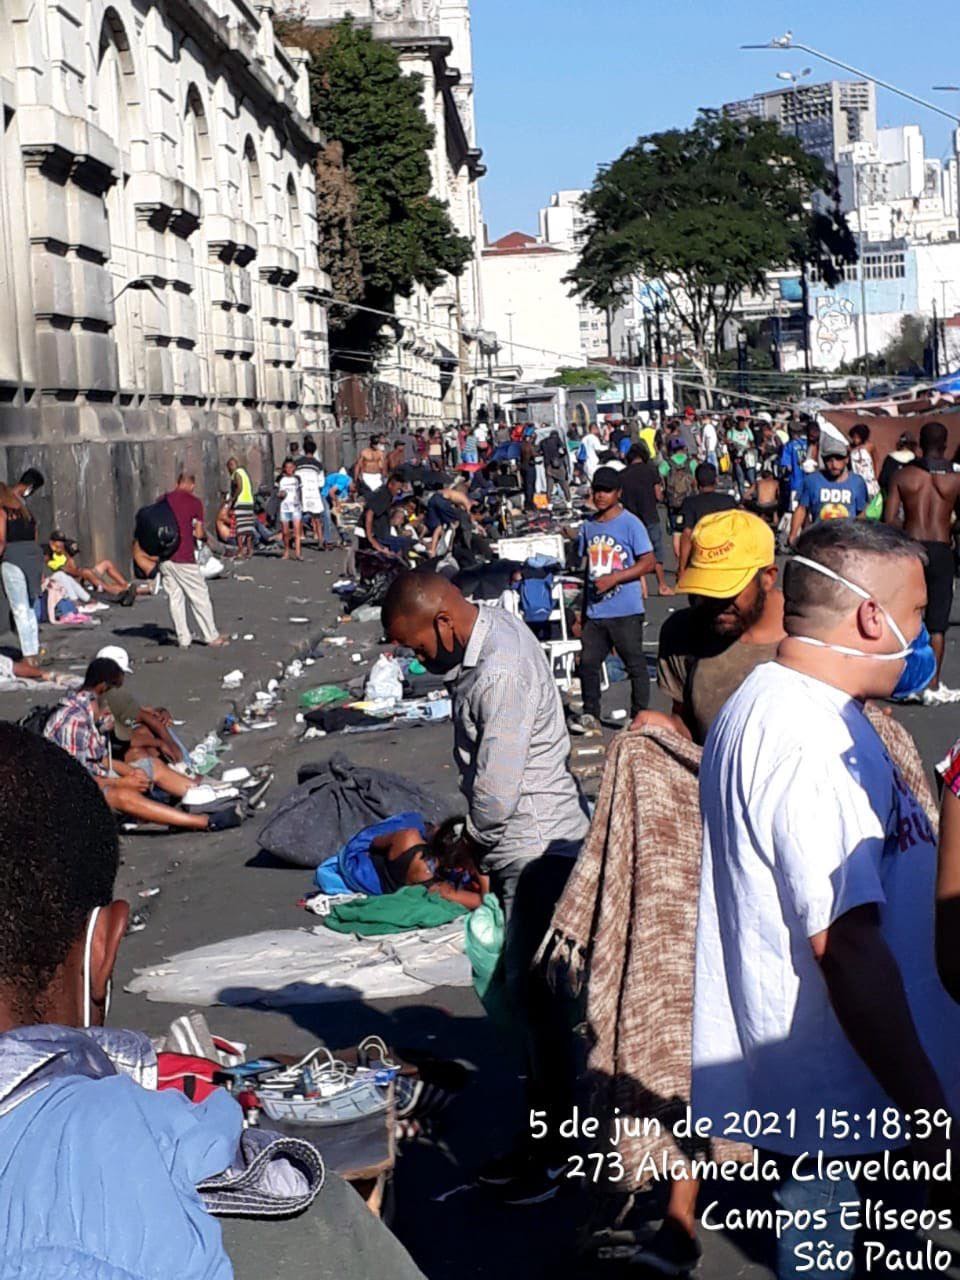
x,y
825,117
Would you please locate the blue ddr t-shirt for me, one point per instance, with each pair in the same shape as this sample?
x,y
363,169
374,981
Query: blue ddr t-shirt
x,y
828,499
611,545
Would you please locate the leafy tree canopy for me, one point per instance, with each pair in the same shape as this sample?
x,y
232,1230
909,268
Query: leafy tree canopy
x,y
588,377
706,213
402,235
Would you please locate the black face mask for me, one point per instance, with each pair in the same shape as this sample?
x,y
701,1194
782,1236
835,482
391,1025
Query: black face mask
x,y
447,660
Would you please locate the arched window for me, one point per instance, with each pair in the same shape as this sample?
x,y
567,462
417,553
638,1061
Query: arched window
x,y
117,111
251,191
198,173
292,222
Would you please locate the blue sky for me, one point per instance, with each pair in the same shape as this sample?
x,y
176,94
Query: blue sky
x,y
563,85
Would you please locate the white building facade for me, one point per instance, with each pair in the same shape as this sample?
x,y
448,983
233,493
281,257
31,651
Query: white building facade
x,y
162,304
430,362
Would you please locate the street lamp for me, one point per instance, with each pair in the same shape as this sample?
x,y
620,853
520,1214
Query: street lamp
x,y
786,42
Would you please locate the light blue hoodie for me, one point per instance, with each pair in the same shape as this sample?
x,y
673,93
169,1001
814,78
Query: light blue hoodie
x,y
99,1174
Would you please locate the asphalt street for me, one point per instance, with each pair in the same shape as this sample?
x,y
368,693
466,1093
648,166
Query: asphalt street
x,y
219,886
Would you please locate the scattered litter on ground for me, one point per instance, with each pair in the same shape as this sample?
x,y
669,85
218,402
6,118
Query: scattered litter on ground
x,y
149,893
233,679
138,921
299,621
249,636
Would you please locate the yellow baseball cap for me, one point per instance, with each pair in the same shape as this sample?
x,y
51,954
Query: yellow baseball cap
x,y
728,549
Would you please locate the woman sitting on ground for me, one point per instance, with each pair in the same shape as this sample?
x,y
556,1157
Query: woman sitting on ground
x,y
104,576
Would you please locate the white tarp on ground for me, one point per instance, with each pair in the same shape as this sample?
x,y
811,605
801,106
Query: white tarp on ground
x,y
296,966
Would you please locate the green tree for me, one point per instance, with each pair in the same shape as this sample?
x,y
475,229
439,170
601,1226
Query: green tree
x,y
588,377
402,235
706,213
907,352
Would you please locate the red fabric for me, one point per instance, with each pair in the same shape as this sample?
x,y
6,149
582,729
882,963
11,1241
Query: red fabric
x,y
186,508
189,1075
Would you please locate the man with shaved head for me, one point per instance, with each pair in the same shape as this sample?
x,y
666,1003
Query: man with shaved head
x,y
526,818
816,984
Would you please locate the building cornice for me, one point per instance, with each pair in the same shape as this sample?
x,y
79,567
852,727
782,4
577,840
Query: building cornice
x,y
230,48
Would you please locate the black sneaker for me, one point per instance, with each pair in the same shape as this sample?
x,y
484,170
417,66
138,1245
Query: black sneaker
x,y
670,1251
225,819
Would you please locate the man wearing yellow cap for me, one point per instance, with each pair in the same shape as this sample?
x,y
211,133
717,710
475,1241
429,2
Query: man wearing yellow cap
x,y
733,623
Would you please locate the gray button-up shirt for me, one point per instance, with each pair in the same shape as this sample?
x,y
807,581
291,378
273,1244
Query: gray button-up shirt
x,y
511,746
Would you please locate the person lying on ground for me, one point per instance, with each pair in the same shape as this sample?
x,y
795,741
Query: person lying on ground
x,y
74,727
104,576
23,669
146,730
443,863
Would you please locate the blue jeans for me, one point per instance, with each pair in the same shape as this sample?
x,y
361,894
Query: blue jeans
x,y
329,532
24,618
824,1200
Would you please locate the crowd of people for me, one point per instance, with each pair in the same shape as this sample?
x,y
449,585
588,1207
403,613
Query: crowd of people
x,y
814,1009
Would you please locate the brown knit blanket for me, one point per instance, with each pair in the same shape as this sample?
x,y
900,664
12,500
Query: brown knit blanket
x,y
625,930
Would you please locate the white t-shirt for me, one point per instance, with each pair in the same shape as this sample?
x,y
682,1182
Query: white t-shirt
x,y
482,432
592,448
805,817
709,439
312,477
289,487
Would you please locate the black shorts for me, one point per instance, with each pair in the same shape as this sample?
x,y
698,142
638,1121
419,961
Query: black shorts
x,y
939,576
674,520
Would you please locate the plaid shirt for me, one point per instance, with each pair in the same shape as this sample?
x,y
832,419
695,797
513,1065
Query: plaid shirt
x,y
73,727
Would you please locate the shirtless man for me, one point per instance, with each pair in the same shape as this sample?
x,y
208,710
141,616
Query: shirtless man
x,y
763,496
930,497
371,468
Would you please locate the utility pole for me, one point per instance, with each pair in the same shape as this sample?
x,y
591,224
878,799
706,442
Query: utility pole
x,y
862,268
656,312
936,341
647,351
805,299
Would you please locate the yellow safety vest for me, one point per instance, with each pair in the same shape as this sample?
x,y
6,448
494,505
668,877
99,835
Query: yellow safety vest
x,y
245,497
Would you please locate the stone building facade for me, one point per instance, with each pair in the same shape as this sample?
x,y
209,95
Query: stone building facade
x,y
434,361
162,305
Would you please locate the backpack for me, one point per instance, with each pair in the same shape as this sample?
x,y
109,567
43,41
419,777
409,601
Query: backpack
x,y
678,484
36,718
156,529
536,598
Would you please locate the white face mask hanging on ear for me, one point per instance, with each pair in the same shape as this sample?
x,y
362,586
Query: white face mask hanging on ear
x,y
87,979
917,656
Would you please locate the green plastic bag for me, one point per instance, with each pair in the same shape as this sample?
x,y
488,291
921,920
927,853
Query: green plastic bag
x,y
325,695
874,509
485,934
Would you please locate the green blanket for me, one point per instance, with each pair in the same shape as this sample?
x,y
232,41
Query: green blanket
x,y
411,908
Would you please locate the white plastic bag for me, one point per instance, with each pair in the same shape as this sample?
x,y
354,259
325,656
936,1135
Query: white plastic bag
x,y
385,682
